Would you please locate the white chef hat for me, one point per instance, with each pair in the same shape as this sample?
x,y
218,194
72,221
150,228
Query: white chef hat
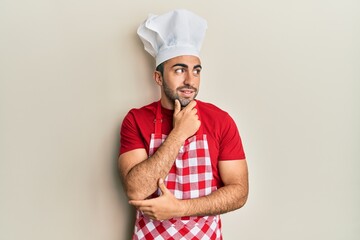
x,y
176,33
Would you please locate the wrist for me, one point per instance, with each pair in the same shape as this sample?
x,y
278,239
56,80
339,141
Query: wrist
x,y
184,208
178,136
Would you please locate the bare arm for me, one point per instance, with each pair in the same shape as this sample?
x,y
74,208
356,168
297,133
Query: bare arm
x,y
231,196
140,174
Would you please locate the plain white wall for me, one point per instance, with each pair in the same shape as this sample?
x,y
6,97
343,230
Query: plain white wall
x,y
287,71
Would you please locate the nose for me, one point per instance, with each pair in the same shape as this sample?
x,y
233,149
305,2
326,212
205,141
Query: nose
x,y
189,78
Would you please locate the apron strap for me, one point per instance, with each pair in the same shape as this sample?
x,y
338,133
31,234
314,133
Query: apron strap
x,y
158,120
200,130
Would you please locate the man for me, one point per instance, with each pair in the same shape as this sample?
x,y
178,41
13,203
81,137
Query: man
x,y
181,159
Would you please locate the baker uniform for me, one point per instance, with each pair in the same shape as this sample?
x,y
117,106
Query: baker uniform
x,y
195,171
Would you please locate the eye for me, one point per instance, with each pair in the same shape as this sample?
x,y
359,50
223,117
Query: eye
x,y
180,70
197,71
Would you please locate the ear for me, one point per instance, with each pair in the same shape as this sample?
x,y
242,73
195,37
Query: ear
x,y
157,77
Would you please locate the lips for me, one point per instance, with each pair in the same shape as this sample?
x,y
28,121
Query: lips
x,y
186,92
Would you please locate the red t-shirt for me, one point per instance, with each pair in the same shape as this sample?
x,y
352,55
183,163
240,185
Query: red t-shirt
x,y
222,134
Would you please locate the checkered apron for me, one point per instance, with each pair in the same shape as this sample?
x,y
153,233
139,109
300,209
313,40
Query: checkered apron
x,y
190,177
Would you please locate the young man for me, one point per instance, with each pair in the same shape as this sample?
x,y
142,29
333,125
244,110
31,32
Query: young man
x,y
181,159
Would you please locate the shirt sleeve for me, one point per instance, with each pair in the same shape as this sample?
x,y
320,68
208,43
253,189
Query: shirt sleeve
x,y
231,147
130,137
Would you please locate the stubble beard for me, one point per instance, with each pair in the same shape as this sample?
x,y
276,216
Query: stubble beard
x,y
172,96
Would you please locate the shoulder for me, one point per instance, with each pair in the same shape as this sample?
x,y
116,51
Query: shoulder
x,y
145,111
137,115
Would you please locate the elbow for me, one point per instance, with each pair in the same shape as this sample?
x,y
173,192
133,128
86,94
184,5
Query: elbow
x,y
134,194
134,189
131,190
242,197
242,201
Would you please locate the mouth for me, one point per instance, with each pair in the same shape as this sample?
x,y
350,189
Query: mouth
x,y
187,92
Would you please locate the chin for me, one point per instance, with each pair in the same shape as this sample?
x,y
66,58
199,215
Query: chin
x,y
185,102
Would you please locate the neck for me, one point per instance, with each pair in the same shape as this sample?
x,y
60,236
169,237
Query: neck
x,y
166,103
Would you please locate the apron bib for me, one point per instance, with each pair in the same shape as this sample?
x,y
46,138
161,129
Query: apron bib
x,y
190,177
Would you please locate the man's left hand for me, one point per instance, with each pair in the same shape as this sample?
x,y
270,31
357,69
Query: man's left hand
x,y
164,207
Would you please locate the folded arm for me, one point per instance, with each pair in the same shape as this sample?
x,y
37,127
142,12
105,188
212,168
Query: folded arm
x,y
231,196
141,173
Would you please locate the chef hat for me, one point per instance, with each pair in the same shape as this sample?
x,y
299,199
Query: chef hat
x,y
176,33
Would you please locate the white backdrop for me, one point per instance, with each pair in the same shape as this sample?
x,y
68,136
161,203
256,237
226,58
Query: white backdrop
x,y
287,71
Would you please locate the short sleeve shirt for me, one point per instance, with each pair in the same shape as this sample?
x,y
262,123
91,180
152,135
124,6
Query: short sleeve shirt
x,y
222,133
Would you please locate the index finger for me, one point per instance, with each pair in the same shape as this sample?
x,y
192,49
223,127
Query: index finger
x,y
191,105
139,203
136,203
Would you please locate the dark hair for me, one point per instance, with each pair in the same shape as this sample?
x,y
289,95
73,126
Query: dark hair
x,y
160,68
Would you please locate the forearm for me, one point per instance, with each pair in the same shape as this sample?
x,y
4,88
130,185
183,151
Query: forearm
x,y
141,180
141,174
223,200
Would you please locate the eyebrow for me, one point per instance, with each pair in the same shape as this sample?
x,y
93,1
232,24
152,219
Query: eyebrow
x,y
186,66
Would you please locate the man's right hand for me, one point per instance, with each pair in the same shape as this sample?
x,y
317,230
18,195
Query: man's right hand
x,y
186,121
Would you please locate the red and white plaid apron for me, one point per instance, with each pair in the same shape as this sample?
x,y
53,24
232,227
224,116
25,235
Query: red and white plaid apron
x,y
190,177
